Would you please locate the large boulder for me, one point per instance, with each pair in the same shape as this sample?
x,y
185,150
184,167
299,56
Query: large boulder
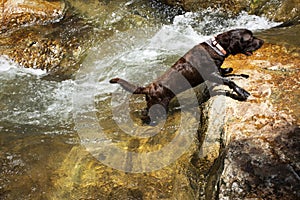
x,y
56,48
283,11
16,13
262,134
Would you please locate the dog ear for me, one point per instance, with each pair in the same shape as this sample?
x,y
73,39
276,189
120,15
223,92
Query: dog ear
x,y
246,37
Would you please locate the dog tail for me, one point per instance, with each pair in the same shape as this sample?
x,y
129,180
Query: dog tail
x,y
128,86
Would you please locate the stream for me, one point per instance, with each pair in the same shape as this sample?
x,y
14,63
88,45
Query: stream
x,y
41,120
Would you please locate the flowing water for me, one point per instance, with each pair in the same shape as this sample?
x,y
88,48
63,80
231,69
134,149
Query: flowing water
x,y
41,120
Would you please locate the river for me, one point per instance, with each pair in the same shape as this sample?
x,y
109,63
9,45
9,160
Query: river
x,y
41,120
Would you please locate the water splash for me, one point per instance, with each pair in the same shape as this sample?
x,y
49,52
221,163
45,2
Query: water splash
x,y
7,65
27,99
139,55
208,22
150,55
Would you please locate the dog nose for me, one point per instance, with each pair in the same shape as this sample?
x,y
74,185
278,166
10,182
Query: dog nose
x,y
258,42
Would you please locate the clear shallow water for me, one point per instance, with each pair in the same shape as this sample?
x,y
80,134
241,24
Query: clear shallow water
x,y
38,117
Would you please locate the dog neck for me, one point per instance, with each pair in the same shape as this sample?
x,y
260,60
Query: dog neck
x,y
216,46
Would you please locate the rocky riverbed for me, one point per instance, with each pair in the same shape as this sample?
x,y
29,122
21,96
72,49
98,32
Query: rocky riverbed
x,y
58,138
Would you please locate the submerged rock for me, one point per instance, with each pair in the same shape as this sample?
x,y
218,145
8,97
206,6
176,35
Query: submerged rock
x,y
130,174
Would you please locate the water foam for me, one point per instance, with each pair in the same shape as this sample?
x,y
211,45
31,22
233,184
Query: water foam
x,y
7,65
26,99
192,28
208,22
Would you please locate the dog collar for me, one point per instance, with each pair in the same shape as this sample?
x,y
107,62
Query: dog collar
x,y
216,46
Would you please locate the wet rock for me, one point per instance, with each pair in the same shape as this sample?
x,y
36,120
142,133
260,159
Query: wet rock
x,y
193,5
284,11
58,44
56,48
262,134
24,12
31,36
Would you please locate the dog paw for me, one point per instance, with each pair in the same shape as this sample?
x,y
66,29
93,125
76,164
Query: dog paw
x,y
114,80
245,75
242,93
245,94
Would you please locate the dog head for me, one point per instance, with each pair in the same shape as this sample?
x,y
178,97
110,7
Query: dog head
x,y
239,41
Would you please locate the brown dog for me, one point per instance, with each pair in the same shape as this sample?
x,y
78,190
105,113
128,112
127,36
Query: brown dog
x,y
203,62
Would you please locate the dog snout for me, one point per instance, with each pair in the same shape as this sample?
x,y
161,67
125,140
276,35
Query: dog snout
x,y
261,42
257,43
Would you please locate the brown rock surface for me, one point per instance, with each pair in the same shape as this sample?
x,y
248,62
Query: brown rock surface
x,y
15,13
283,11
262,134
286,10
31,36
53,48
193,5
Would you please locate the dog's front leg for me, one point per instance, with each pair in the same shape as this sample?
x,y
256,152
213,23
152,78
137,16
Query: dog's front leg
x,y
217,78
225,71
